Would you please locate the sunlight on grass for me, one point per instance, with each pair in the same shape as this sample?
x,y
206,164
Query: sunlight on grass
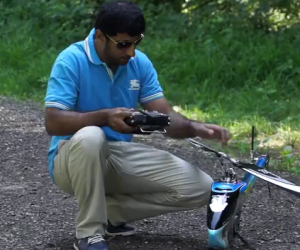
x,y
277,135
280,141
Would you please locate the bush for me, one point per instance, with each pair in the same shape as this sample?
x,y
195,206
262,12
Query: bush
x,y
71,20
63,20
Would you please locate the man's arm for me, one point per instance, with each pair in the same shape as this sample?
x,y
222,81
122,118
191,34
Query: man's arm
x,y
181,127
61,99
65,122
151,98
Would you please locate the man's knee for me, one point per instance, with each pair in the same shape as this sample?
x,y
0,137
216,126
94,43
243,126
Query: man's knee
x,y
89,141
202,193
196,192
203,184
206,182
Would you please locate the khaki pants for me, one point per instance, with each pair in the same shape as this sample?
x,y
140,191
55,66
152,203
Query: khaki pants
x,y
124,181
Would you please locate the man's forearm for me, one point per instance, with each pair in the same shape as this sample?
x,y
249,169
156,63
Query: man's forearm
x,y
62,122
181,127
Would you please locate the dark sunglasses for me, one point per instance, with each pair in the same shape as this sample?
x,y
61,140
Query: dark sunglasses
x,y
126,44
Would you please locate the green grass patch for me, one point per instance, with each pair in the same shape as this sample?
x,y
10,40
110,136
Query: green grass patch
x,y
25,64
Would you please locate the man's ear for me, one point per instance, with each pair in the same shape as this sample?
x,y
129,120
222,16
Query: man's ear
x,y
99,35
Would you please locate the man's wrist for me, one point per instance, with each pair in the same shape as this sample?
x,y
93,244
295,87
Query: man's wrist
x,y
191,128
96,118
103,117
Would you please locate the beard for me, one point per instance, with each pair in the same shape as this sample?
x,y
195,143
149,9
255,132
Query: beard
x,y
124,60
113,60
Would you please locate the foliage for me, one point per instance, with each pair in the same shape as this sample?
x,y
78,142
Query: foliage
x,y
70,20
260,14
64,20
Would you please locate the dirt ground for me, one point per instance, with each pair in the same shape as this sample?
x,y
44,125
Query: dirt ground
x,y
36,215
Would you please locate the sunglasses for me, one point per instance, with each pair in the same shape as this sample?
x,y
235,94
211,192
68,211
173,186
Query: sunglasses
x,y
126,44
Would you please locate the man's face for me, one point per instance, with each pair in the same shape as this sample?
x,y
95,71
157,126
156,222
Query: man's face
x,y
118,49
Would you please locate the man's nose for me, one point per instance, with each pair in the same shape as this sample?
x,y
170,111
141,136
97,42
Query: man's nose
x,y
131,51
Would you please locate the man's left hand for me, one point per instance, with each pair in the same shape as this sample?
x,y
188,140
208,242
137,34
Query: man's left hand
x,y
211,131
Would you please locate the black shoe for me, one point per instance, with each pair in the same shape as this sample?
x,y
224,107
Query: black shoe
x,y
91,243
120,230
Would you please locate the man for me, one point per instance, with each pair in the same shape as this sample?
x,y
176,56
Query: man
x,y
94,85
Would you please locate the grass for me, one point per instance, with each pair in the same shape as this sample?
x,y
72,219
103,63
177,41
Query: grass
x,y
236,79
25,64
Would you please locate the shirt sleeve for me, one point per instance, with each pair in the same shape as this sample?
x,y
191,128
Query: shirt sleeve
x,y
62,90
150,86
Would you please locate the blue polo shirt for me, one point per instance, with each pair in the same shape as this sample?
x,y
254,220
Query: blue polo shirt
x,y
81,82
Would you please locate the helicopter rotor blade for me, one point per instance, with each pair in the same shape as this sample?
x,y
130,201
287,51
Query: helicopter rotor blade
x,y
270,178
253,169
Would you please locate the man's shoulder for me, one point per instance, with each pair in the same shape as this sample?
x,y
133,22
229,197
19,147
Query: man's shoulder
x,y
141,59
73,54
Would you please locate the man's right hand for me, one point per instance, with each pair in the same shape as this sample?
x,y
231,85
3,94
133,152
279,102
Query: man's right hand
x,y
116,120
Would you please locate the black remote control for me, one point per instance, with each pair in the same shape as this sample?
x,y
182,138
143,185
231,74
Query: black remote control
x,y
148,122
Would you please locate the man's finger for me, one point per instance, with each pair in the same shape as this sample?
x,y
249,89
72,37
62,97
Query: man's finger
x,y
213,127
127,110
225,136
124,128
206,131
125,114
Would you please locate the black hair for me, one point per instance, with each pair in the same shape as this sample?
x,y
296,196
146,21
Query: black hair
x,y
120,17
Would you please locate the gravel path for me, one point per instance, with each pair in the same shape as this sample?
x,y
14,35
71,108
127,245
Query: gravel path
x,y
36,215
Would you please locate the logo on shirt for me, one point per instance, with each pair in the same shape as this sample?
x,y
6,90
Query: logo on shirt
x,y
134,85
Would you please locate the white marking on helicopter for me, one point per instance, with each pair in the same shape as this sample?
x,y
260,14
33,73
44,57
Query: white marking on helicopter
x,y
218,203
